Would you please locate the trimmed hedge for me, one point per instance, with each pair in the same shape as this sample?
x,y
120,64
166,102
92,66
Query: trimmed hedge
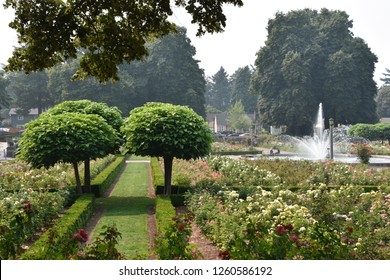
x,y
105,178
164,213
75,218
157,174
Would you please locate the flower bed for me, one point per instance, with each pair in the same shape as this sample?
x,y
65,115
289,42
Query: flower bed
x,y
51,244
316,223
31,199
285,209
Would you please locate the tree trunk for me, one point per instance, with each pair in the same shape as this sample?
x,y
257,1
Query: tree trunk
x,y
168,161
87,176
77,175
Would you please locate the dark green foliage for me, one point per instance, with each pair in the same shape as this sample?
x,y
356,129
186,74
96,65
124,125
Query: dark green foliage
x,y
109,33
30,91
312,57
383,101
386,77
240,82
219,91
4,97
169,74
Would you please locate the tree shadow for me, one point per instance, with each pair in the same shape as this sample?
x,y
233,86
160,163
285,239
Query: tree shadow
x,y
127,206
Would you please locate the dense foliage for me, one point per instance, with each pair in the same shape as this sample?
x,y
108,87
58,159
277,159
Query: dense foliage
x,y
110,33
312,57
168,131
67,137
383,101
379,131
169,74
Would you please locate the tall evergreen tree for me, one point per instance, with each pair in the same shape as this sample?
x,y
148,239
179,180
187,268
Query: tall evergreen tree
x,y
219,90
173,74
240,81
386,77
309,58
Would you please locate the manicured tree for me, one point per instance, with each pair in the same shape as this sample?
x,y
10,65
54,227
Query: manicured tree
x,y
168,131
110,114
67,137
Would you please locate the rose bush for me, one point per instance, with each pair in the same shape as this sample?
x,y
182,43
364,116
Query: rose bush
x,y
342,223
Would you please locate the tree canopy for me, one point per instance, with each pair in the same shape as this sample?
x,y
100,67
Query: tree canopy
x,y
168,131
240,82
386,77
312,57
219,91
238,119
383,101
29,91
108,32
4,97
67,137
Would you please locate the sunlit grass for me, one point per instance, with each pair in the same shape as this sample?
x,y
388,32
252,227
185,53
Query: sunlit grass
x,y
127,208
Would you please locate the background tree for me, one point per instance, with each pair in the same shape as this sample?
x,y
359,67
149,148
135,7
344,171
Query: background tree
x,y
110,33
309,58
4,98
67,137
218,90
237,118
167,131
372,132
170,74
386,77
383,101
111,115
30,91
240,82
120,94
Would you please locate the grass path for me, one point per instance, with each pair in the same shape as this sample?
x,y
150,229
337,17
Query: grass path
x,y
127,208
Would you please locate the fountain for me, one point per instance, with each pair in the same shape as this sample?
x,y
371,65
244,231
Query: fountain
x,y
316,146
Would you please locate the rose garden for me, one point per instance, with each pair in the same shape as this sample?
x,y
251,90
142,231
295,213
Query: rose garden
x,y
54,202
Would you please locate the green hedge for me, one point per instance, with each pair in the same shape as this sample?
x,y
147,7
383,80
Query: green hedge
x,y
157,174
48,246
164,213
105,178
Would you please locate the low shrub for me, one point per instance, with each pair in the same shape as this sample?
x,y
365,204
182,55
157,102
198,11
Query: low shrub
x,y
157,174
51,244
165,211
105,178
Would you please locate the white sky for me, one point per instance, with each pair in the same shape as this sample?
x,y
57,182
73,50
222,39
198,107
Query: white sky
x,y
246,31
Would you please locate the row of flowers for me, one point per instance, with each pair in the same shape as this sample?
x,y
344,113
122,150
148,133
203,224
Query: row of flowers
x,y
316,223
224,171
31,199
15,175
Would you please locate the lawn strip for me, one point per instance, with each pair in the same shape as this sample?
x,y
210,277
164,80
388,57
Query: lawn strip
x,y
127,208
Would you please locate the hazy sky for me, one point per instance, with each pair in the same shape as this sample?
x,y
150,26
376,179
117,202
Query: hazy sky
x,y
246,31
